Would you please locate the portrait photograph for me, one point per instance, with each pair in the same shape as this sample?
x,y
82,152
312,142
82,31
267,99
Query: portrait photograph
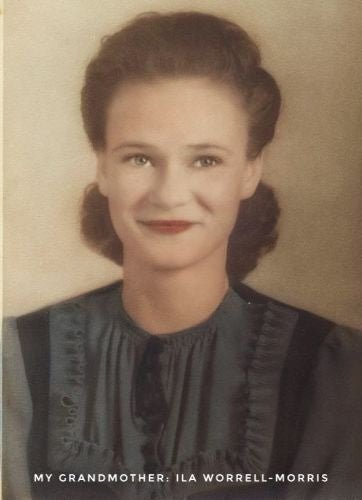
x,y
182,261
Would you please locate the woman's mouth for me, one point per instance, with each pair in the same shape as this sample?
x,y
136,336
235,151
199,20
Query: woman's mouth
x,y
168,226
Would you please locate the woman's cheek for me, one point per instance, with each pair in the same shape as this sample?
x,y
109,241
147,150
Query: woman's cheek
x,y
226,195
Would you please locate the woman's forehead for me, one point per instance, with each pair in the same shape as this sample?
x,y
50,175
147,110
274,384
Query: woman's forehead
x,y
195,110
175,88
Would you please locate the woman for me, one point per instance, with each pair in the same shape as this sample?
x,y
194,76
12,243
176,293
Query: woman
x,y
179,370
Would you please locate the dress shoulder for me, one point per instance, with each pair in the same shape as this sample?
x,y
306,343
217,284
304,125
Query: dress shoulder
x,y
17,411
331,442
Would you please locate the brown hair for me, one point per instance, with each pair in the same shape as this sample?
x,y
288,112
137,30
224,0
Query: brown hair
x,y
175,45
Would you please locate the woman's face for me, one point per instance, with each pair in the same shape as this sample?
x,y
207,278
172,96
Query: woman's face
x,y
174,169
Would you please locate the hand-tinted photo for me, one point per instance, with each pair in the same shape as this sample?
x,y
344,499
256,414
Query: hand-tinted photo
x,y
202,364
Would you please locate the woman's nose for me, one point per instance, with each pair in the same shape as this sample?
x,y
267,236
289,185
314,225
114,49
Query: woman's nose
x,y
171,188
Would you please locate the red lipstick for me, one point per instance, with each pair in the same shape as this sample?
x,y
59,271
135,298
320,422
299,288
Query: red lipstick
x,y
168,226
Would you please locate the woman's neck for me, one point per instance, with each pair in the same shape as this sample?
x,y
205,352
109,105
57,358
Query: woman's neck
x,y
162,301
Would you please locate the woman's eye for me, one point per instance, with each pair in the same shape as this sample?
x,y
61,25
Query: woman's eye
x,y
207,161
139,160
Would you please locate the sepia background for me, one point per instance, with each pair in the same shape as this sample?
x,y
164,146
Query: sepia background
x,y
313,48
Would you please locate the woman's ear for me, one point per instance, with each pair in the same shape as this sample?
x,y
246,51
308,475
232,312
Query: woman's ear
x,y
251,178
101,177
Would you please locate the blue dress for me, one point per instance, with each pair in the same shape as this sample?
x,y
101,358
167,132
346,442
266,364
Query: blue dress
x,y
132,415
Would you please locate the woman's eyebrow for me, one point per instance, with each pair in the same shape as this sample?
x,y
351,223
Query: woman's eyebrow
x,y
209,145
124,145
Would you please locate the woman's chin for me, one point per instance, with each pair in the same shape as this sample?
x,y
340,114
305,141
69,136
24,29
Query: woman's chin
x,y
163,258
182,258
169,263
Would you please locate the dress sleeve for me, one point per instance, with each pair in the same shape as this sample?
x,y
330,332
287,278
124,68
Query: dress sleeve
x,y
17,414
332,440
